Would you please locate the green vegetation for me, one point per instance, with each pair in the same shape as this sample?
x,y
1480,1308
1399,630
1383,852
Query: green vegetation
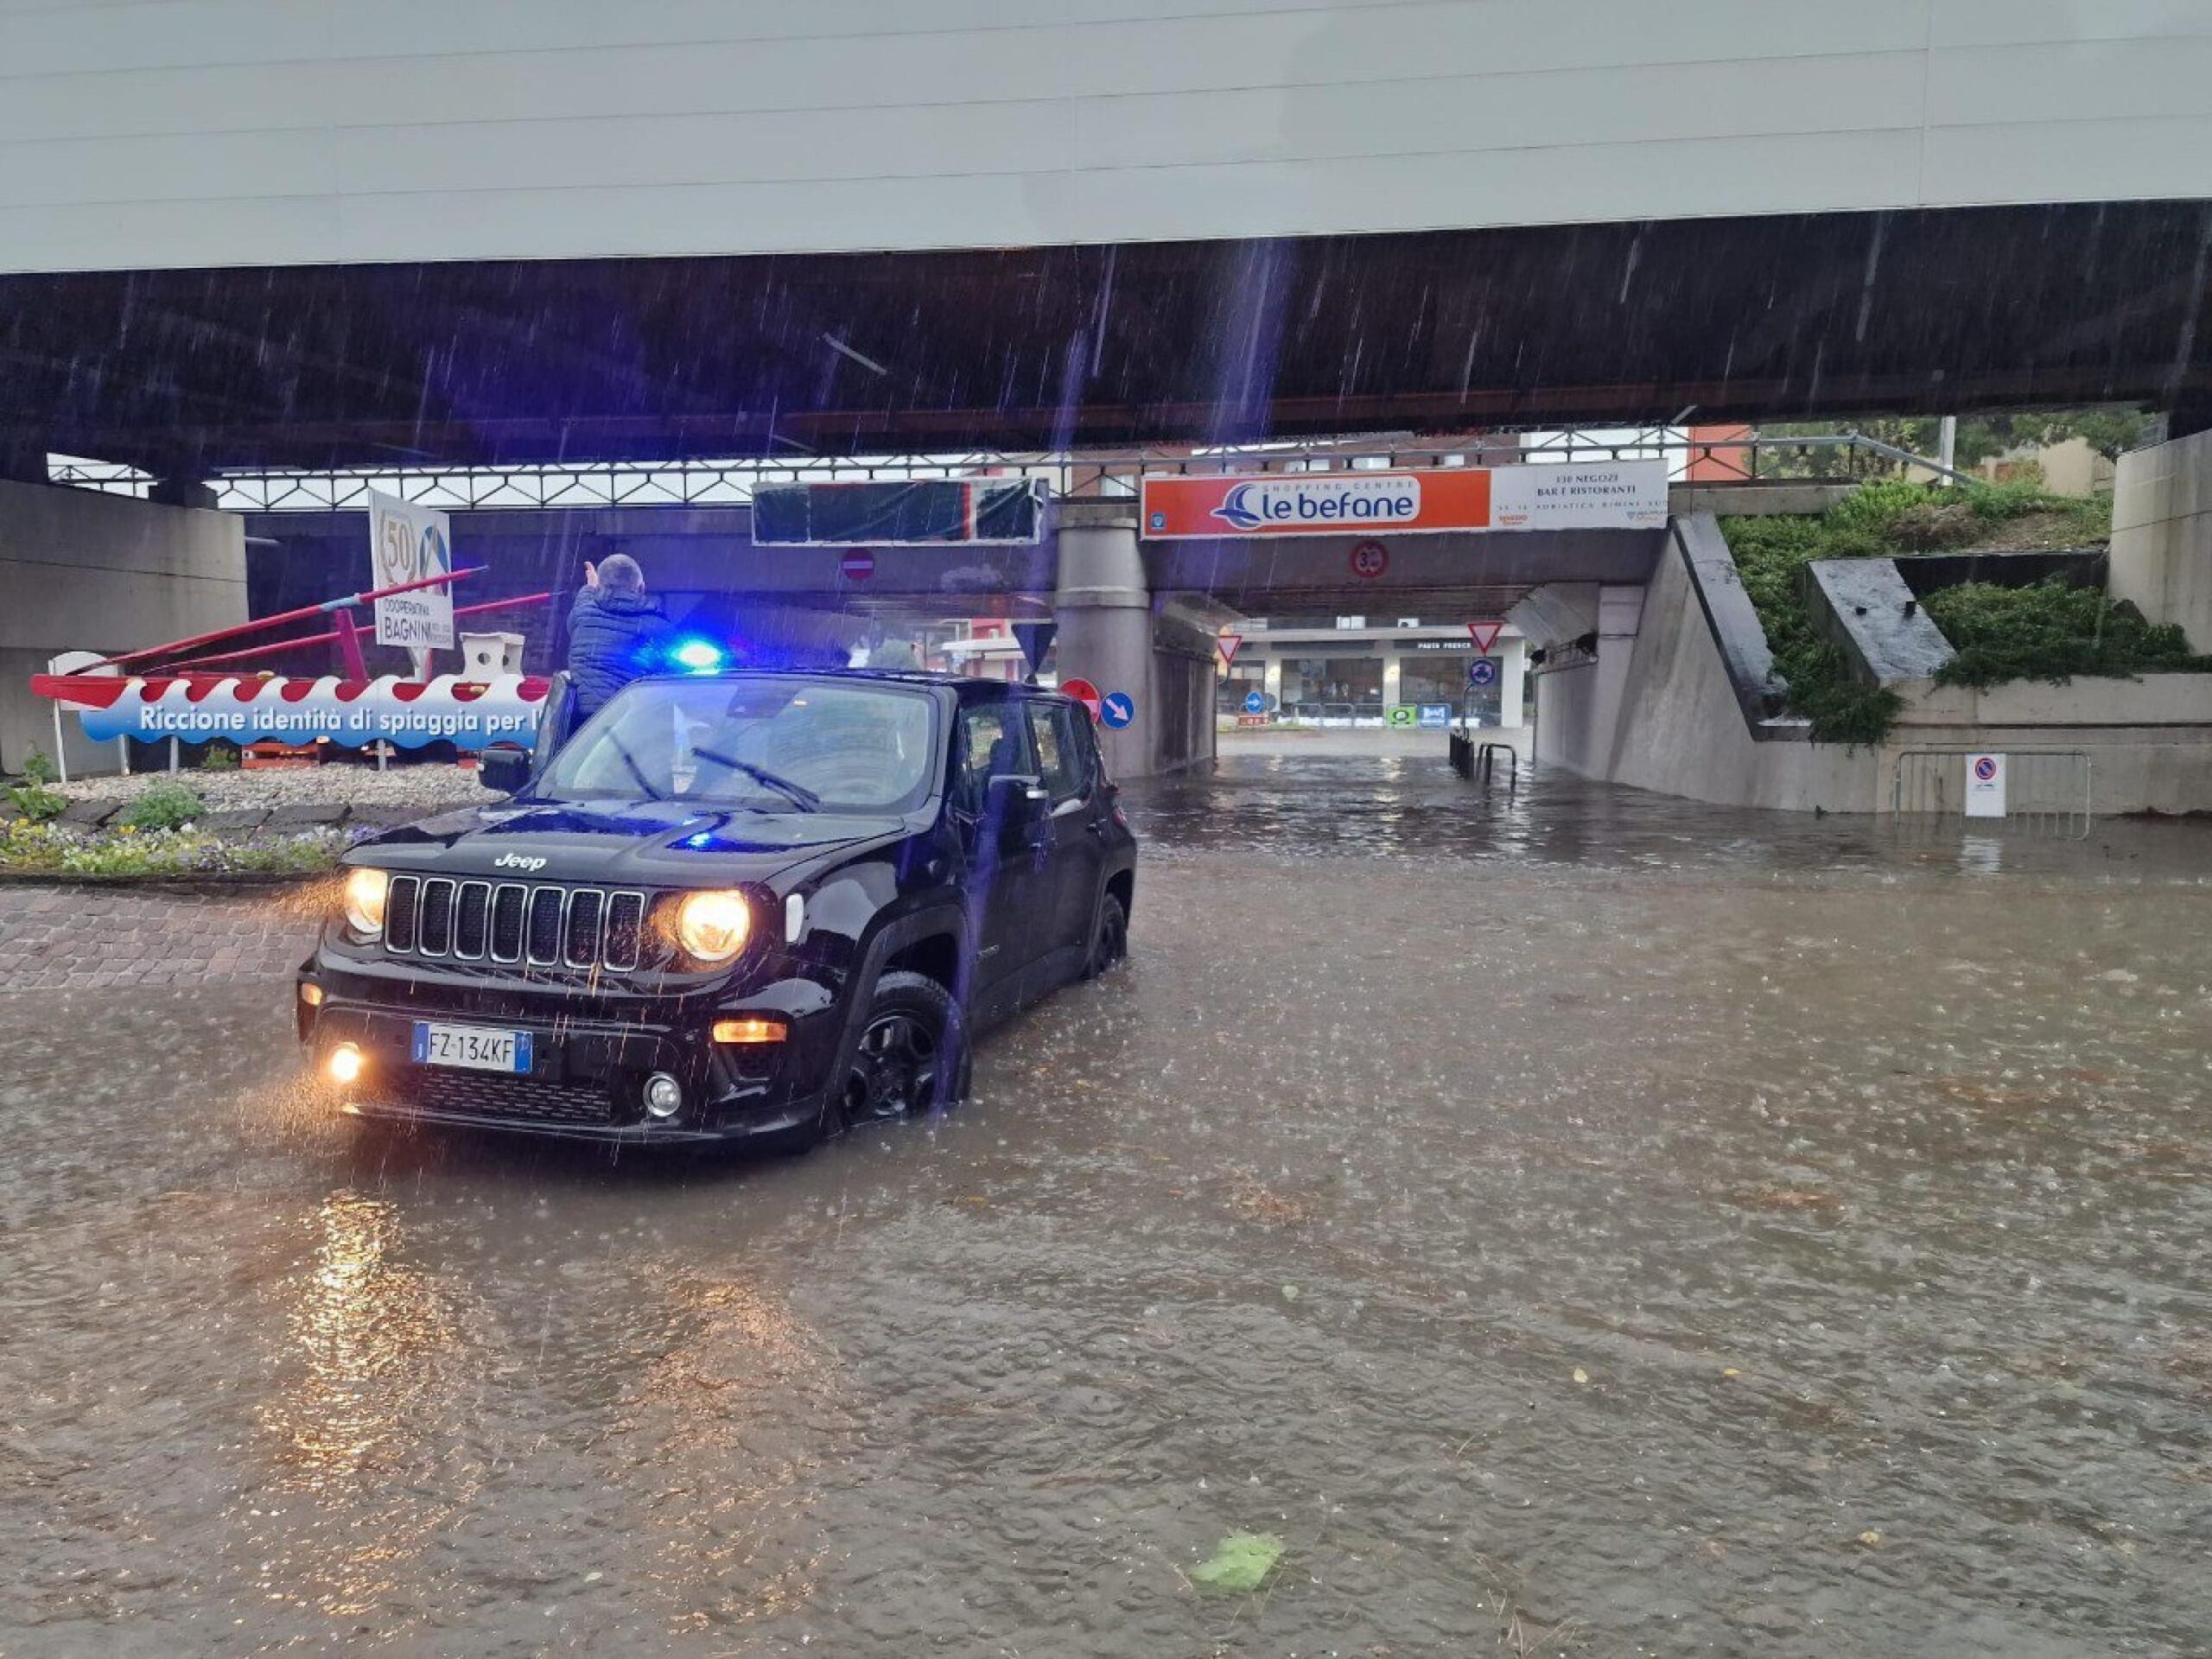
x,y
2049,632
2111,431
31,798
221,757
165,806
50,849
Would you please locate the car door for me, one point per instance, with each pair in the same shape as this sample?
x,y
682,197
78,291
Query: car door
x,y
1075,867
1007,831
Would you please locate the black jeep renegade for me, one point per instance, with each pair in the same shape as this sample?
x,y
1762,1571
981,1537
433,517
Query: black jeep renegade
x,y
748,904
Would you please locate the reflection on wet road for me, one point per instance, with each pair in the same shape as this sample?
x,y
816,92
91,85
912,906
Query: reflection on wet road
x,y
1589,1224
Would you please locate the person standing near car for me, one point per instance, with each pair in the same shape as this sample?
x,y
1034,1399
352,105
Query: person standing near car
x,y
616,631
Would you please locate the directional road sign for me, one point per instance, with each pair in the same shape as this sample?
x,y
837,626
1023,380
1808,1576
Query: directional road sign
x,y
1117,708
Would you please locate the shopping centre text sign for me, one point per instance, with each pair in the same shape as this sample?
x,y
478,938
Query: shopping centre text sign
x,y
1611,495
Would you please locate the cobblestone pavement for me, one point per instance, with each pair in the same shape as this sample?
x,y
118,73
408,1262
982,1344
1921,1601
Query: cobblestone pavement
x,y
57,937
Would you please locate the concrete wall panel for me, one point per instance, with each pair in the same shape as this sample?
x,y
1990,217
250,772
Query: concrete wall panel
x,y
2162,535
234,132
85,572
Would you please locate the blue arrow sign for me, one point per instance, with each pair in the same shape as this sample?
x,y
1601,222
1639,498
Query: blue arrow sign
x,y
1256,703
1117,708
1482,671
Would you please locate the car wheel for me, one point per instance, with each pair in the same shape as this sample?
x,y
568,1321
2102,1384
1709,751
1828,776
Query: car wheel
x,y
1109,937
911,1057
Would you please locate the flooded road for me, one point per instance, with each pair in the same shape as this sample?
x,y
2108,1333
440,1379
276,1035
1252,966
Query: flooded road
x,y
1582,1223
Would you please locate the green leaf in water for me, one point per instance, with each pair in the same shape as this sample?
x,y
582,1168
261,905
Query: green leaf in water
x,y
1240,1564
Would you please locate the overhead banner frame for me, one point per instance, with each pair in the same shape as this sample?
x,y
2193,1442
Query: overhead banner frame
x,y
1602,495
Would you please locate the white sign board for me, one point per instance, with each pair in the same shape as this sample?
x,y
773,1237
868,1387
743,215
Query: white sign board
x,y
405,544
1984,785
1601,495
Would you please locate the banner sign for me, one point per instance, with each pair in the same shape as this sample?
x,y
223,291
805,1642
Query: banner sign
x,y
1580,495
1609,495
407,544
469,714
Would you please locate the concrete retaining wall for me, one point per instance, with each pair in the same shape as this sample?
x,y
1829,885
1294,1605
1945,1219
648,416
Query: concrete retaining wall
x,y
1681,730
84,571
2162,534
1667,716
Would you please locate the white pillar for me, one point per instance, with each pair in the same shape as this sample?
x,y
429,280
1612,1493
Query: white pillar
x,y
1391,663
1512,679
1271,669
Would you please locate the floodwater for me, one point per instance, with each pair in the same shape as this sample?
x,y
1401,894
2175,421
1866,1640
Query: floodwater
x,y
1574,1223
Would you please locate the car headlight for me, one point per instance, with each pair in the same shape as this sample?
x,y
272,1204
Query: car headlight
x,y
365,895
713,926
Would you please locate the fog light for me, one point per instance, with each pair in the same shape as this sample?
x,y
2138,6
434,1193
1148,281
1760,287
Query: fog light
x,y
749,1031
312,995
345,1063
663,1096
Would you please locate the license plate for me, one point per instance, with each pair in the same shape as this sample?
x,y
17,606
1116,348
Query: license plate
x,y
473,1048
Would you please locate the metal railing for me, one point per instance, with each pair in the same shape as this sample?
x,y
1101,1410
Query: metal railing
x,y
2047,791
1843,456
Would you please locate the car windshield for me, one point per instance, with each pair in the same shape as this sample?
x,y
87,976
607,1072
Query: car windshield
x,y
766,742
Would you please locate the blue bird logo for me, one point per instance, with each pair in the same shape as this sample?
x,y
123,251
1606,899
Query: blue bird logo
x,y
1236,510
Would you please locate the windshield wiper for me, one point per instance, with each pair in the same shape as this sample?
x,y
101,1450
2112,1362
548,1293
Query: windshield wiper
x,y
798,794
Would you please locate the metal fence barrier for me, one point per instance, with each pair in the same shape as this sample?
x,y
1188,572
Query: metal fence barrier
x,y
2047,791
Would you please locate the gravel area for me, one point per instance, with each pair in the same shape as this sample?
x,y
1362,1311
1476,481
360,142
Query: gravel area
x,y
425,786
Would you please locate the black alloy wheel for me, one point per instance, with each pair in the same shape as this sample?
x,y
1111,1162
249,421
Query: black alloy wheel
x,y
1109,937
909,1058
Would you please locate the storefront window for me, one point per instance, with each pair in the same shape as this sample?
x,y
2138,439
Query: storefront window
x,y
1434,677
1320,685
1237,684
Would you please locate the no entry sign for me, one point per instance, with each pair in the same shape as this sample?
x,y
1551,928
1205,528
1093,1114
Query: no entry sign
x,y
1083,692
857,565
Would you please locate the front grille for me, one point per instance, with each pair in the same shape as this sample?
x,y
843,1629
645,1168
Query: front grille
x,y
489,1094
536,927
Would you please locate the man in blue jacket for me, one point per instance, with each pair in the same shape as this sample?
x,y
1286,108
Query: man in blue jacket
x,y
616,632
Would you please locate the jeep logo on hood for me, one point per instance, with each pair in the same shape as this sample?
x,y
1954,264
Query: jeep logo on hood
x,y
517,862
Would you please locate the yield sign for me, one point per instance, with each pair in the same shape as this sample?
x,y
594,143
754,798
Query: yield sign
x,y
1035,638
1229,645
1485,635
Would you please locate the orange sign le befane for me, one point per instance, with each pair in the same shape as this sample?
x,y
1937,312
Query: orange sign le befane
x,y
1177,508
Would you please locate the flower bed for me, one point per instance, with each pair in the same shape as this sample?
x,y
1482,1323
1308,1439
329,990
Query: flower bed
x,y
52,849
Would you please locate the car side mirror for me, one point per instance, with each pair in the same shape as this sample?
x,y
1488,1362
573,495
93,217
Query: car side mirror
x,y
505,770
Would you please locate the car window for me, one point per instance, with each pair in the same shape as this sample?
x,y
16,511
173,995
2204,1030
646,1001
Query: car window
x,y
995,743
1059,752
730,741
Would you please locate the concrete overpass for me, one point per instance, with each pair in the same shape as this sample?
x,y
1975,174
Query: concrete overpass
x,y
275,233
263,233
